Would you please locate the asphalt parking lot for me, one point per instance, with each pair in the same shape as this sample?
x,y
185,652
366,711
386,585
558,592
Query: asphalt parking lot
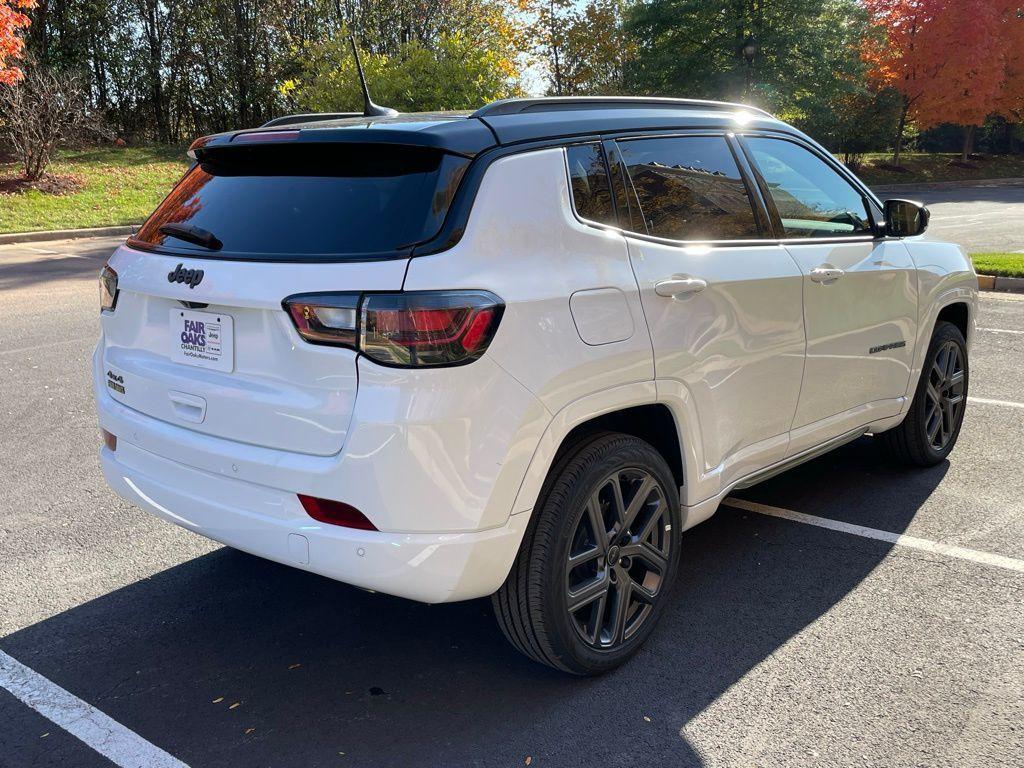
x,y
788,644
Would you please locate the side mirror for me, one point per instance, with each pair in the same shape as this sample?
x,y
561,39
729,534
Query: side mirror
x,y
905,218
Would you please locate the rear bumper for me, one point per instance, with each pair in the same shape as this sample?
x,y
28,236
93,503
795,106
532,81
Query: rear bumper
x,y
270,523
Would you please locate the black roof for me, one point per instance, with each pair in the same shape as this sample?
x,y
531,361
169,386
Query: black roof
x,y
509,121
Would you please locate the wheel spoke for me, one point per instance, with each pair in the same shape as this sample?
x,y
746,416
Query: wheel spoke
x,y
648,554
933,394
933,424
588,594
638,501
620,608
584,557
952,358
620,505
597,522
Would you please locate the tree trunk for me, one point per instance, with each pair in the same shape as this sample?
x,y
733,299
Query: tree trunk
x,y
968,142
898,144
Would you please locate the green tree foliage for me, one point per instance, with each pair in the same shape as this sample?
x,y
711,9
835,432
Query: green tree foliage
x,y
455,73
173,69
583,46
807,60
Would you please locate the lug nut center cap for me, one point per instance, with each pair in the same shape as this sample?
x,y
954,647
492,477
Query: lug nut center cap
x,y
613,555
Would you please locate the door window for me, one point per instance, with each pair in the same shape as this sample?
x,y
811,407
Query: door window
x,y
689,188
813,200
588,177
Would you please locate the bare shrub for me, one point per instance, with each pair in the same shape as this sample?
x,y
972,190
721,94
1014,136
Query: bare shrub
x,y
41,112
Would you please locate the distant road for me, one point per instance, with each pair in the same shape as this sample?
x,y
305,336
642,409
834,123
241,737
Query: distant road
x,y
980,216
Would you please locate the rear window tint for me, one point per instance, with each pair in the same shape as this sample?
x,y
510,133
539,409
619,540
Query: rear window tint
x,y
310,200
689,188
591,190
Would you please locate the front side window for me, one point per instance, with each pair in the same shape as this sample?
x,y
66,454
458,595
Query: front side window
x,y
591,190
689,188
813,200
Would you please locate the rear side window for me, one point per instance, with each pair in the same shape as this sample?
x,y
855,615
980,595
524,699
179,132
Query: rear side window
x,y
309,200
689,188
591,190
813,200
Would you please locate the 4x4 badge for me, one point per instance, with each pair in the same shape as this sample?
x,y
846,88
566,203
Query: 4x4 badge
x,y
191,277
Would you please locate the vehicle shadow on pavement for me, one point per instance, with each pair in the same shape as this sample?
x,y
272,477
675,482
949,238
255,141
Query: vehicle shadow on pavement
x,y
318,668
30,268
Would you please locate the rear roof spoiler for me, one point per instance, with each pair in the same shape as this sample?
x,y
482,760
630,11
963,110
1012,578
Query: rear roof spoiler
x,y
309,117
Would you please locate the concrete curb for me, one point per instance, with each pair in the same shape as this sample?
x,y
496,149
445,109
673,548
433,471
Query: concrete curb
x,y
64,234
1003,284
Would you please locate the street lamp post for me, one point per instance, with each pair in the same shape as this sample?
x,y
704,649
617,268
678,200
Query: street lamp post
x,y
749,51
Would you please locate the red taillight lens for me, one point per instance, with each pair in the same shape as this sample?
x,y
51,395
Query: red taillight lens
x,y
411,330
428,328
327,318
335,513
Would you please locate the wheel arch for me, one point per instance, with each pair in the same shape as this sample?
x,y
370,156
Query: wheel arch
x,y
631,409
958,313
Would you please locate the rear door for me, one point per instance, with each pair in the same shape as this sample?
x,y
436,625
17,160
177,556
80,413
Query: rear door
x,y
859,291
723,305
198,337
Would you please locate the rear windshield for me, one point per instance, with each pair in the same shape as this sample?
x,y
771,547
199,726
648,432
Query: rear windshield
x,y
307,201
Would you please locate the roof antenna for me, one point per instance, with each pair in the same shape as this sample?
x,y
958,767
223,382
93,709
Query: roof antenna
x,y
369,108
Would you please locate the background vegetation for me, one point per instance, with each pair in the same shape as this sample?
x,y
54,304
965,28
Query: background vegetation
x,y
902,90
863,75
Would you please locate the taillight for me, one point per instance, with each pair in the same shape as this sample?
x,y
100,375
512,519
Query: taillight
x,y
325,318
409,330
428,328
335,513
108,289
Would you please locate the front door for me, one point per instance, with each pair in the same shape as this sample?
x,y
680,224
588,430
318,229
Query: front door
x,y
859,294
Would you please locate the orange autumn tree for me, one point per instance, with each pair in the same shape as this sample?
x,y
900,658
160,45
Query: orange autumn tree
x,y
952,61
12,20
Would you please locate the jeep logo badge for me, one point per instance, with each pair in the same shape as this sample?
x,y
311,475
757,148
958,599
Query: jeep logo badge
x,y
191,277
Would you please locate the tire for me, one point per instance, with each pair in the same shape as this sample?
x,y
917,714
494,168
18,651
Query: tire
x,y
589,635
932,425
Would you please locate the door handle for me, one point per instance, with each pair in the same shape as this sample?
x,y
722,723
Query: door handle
x,y
826,274
677,286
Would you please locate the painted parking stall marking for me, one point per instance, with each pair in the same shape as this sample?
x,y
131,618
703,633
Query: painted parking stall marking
x,y
900,540
120,745
987,401
1002,330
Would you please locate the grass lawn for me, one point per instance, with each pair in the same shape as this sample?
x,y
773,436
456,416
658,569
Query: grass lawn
x,y
924,167
122,186
999,264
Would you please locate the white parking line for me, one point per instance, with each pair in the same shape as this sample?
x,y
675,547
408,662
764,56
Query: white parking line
x,y
899,539
118,744
1001,330
986,401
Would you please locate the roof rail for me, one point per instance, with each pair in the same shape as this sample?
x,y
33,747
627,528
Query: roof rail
x,y
311,117
559,103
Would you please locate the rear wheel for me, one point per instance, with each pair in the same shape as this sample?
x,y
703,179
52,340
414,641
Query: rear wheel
x,y
932,426
599,560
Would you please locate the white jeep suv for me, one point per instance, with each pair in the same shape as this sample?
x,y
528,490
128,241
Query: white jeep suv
x,y
517,352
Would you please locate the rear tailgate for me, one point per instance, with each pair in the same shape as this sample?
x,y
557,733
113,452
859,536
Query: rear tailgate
x,y
264,385
198,336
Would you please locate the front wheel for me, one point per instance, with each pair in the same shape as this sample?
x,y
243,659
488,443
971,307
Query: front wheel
x,y
599,560
932,426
